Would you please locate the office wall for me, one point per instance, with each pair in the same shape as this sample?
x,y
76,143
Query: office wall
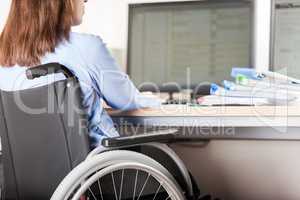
x,y
108,18
4,9
262,34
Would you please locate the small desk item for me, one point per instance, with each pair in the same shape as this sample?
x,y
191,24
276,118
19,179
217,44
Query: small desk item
x,y
257,75
214,100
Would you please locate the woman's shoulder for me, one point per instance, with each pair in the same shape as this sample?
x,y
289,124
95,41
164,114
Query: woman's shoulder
x,y
84,39
87,44
91,48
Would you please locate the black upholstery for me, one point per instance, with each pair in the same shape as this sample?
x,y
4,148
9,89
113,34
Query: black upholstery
x,y
40,149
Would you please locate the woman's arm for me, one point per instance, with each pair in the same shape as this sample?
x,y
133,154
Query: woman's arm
x,y
110,82
120,93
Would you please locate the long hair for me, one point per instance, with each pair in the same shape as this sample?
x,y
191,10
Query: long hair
x,y
34,28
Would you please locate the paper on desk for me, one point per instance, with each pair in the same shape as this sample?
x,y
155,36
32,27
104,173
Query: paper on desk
x,y
272,84
274,96
225,100
268,88
262,85
269,93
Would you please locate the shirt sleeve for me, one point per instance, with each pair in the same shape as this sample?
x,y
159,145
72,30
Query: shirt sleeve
x,y
114,86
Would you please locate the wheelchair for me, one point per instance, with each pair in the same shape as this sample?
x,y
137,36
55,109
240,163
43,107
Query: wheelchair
x,y
46,152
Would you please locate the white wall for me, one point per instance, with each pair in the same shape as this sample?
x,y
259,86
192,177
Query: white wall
x,y
262,34
4,9
108,18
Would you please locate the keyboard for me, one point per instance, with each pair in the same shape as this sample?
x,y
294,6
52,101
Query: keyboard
x,y
180,101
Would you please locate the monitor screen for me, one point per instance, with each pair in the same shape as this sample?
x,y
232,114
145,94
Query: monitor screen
x,y
286,37
188,43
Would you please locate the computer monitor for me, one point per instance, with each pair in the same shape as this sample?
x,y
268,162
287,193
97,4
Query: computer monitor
x,y
285,37
175,45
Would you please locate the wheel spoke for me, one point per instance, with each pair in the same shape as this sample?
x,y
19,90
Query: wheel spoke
x,y
168,198
157,191
135,183
94,197
115,190
121,186
100,189
144,186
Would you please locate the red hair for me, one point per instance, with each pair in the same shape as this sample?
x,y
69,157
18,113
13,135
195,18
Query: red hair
x,y
33,28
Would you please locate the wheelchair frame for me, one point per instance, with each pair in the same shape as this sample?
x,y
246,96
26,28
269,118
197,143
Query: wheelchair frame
x,y
113,145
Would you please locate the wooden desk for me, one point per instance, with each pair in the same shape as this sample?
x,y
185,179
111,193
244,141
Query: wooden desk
x,y
198,111
240,122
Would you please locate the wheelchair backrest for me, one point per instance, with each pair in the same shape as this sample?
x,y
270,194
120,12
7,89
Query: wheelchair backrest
x,y
43,136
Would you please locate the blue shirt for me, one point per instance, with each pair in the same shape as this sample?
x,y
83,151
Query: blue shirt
x,y
100,79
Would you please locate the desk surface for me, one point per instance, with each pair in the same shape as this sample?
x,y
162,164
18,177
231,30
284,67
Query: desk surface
x,y
240,122
217,111
187,116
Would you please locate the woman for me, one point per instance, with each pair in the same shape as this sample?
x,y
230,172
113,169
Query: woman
x,y
39,32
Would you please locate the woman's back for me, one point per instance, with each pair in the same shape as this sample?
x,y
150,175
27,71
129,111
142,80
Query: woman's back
x,y
73,54
31,37
83,54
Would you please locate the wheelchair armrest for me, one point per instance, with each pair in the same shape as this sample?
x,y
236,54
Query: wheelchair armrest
x,y
44,70
159,136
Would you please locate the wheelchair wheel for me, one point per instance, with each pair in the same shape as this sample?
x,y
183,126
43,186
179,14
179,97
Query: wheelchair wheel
x,y
119,175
